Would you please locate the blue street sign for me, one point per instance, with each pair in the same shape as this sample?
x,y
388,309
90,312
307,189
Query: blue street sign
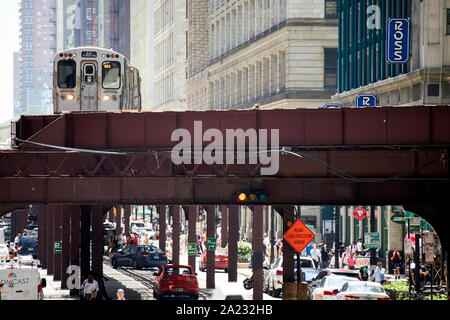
x,y
397,40
332,105
365,100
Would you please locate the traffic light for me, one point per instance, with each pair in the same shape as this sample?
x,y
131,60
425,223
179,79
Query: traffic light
x,y
252,196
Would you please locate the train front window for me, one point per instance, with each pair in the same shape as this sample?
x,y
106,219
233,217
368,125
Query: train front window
x,y
67,74
111,75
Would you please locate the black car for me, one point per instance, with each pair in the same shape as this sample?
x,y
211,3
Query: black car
x,y
29,245
139,256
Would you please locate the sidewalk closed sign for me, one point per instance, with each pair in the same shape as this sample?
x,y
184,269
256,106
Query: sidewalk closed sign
x,y
58,247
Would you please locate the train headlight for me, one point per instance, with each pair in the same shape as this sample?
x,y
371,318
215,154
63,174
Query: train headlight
x,y
106,98
70,97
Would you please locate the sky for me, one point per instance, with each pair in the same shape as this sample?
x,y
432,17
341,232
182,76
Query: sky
x,y
9,42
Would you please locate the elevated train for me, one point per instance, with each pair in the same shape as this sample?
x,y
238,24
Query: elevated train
x,y
94,79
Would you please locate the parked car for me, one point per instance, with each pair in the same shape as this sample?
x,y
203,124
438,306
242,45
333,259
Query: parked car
x,y
139,256
273,276
28,245
135,224
362,291
232,291
329,287
328,272
175,280
146,230
221,260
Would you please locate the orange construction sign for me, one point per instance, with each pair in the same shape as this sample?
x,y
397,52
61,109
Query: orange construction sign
x,y
298,236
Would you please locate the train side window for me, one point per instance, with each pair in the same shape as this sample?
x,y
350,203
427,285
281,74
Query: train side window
x,y
67,74
111,75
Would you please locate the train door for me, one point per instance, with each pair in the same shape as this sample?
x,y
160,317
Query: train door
x,y
89,86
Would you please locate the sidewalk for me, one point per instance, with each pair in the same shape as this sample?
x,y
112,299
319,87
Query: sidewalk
x,y
53,289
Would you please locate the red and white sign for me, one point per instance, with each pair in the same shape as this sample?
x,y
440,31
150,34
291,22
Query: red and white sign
x,y
360,213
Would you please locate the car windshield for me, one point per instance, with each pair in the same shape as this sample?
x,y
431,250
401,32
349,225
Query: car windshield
x,y
346,274
178,270
310,275
304,264
148,249
337,282
358,287
221,252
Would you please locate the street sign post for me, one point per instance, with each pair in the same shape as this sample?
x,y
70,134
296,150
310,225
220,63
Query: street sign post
x,y
360,213
365,100
298,236
372,240
397,40
398,218
211,244
414,225
192,251
57,247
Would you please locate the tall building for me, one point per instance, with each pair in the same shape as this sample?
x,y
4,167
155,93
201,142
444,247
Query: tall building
x,y
197,55
170,55
276,53
102,23
37,38
142,47
362,67
18,107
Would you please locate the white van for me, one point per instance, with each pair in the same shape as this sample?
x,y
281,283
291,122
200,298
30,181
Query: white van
x,y
21,284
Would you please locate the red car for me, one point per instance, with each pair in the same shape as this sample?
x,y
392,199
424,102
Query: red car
x,y
221,257
175,280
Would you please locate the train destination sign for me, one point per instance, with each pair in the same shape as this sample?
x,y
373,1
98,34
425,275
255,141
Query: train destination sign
x,y
89,54
298,236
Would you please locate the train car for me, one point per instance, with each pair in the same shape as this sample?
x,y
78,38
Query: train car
x,y
94,79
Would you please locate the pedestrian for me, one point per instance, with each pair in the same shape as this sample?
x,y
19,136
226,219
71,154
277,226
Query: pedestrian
x,y
266,243
423,272
345,255
353,247
120,294
315,255
278,247
397,262
359,246
324,257
351,260
1,289
17,240
90,287
379,273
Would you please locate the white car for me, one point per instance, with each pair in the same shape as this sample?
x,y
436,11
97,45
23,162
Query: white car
x,y
329,287
232,291
273,277
148,231
362,290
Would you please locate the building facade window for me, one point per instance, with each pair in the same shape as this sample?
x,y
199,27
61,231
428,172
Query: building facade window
x,y
330,68
448,21
331,9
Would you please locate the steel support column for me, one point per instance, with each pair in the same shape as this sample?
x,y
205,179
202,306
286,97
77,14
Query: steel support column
x,y
118,219
42,235
162,227
258,253
97,240
75,219
127,213
85,252
192,232
57,258
18,222
50,237
288,253
210,254
233,237
175,213
65,237
224,226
